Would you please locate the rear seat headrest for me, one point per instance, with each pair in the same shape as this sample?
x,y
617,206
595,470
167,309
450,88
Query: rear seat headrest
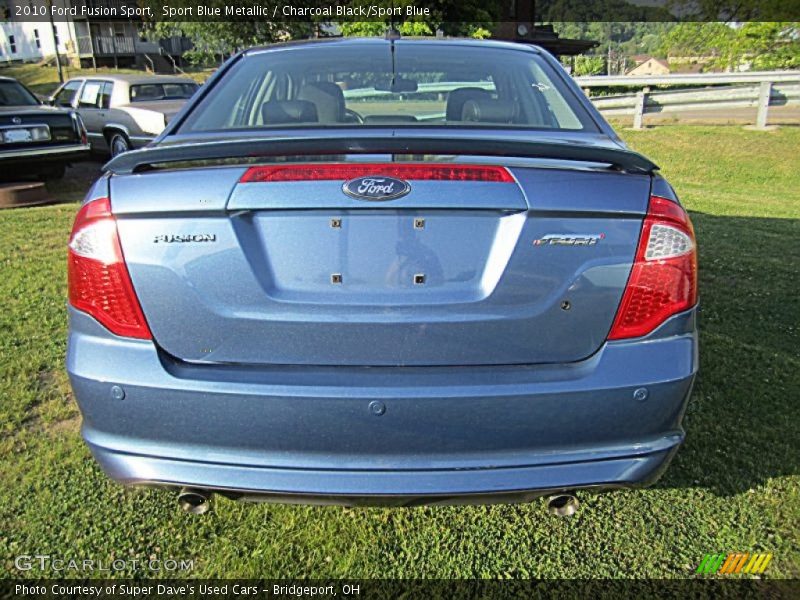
x,y
328,99
288,111
457,98
489,111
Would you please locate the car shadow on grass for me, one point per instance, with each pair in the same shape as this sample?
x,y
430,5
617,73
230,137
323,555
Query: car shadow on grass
x,y
742,421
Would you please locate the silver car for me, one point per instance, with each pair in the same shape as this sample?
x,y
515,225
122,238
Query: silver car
x,y
124,111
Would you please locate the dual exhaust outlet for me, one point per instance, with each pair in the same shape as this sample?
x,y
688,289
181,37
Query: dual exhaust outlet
x,y
197,501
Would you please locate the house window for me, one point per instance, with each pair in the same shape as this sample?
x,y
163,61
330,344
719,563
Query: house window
x,y
12,42
36,38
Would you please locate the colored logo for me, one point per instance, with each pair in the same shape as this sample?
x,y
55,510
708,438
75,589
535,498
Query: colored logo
x,y
737,562
375,188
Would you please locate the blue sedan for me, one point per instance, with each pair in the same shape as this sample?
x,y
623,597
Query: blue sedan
x,y
384,271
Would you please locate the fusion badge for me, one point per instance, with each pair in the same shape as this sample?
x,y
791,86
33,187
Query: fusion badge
x,y
184,238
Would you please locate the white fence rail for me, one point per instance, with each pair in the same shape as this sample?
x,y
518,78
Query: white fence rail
x,y
732,90
687,79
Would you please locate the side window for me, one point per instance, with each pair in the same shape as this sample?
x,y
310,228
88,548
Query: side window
x,y
90,94
67,93
105,95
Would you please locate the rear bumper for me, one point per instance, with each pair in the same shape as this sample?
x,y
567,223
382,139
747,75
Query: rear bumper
x,y
33,157
402,435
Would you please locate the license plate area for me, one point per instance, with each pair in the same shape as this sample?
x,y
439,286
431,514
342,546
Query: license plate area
x,y
22,135
383,257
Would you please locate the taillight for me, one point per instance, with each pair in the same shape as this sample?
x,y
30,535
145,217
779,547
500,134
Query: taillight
x,y
344,171
663,280
80,128
99,283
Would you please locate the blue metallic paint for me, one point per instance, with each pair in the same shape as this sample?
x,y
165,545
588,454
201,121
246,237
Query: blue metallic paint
x,y
446,430
303,430
262,293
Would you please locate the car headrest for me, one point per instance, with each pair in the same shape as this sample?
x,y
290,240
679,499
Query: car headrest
x,y
327,97
457,98
288,111
488,111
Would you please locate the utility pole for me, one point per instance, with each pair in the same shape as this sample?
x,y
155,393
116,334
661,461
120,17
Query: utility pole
x,y
55,40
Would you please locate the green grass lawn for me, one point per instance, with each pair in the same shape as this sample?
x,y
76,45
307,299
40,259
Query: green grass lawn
x,y
734,486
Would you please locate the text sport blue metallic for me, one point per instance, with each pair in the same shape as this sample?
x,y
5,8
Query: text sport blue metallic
x,y
384,271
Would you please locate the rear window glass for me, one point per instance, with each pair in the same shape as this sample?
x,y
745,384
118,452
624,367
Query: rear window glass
x,y
162,91
14,94
418,84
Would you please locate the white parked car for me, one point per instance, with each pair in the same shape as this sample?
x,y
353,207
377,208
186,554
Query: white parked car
x,y
122,112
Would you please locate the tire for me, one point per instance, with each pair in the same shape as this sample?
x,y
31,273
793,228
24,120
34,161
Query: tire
x,y
118,144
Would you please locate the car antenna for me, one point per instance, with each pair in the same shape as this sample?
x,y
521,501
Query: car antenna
x,y
392,34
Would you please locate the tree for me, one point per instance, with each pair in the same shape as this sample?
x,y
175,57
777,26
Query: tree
x,y
772,45
764,46
467,18
618,40
212,39
589,65
697,39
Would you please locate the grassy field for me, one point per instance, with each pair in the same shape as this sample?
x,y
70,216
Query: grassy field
x,y
734,486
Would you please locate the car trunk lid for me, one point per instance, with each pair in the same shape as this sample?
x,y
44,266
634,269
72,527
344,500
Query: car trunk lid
x,y
529,270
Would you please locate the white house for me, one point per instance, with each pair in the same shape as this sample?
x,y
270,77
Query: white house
x,y
33,40
86,40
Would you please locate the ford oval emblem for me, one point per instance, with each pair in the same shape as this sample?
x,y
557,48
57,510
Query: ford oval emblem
x,y
376,188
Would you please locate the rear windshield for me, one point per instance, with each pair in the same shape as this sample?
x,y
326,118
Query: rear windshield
x,y
162,91
372,84
14,94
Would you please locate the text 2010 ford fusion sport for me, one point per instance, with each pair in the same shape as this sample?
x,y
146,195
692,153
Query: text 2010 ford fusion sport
x,y
383,271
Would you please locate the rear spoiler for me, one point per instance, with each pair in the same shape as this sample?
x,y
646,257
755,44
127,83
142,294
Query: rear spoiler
x,y
252,149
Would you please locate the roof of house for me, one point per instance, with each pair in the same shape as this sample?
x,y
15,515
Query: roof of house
x,y
659,61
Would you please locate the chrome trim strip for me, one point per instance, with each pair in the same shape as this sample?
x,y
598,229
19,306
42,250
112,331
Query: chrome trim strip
x,y
40,151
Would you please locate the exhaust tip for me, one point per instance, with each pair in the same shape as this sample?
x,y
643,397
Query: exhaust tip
x,y
562,505
193,501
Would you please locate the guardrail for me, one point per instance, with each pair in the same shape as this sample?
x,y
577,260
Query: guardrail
x,y
754,90
709,91
686,78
